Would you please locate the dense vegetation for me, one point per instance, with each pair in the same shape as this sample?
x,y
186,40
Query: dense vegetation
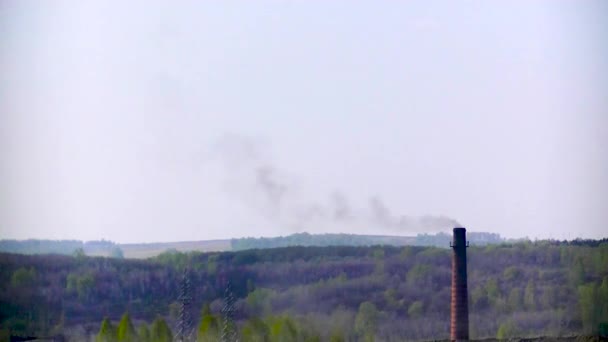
x,y
109,248
303,293
305,239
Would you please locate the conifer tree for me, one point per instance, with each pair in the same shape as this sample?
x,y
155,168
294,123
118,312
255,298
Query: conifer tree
x,y
529,296
209,328
588,296
143,333
255,330
107,332
126,331
282,328
366,321
160,332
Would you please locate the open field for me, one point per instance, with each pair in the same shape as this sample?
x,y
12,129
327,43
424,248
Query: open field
x,y
146,250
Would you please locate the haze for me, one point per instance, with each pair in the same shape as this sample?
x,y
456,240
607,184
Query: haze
x,y
148,121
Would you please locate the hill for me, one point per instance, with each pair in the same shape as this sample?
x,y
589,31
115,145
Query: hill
x,y
146,250
390,292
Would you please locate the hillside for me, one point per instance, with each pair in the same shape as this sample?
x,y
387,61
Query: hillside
x,y
146,250
389,292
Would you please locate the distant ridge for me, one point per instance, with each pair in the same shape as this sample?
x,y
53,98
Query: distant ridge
x,y
144,250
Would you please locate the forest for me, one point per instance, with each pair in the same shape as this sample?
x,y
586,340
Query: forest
x,y
305,239
139,250
334,293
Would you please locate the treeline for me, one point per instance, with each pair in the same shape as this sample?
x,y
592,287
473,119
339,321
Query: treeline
x,y
442,240
321,240
158,331
351,293
65,247
306,239
109,248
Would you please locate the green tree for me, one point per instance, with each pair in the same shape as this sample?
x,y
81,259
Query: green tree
x,y
209,328
492,290
79,253
337,336
57,329
548,297
577,272
126,331
160,332
258,301
255,330
515,299
366,321
116,252
506,330
479,298
282,328
530,296
212,264
378,256
107,332
23,277
418,275
512,273
143,333
71,282
5,334
85,286
603,300
390,296
589,307
174,309
415,309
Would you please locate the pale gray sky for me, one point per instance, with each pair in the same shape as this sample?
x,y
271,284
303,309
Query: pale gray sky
x,y
164,121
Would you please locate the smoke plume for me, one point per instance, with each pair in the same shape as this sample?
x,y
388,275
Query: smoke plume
x,y
252,177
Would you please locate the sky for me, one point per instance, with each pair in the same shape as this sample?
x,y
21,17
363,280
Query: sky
x,y
149,121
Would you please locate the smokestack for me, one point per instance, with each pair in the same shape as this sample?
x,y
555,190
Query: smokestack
x,y
459,324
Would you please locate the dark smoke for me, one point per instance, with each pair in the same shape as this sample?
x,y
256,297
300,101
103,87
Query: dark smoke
x,y
254,179
427,223
341,210
381,214
269,185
